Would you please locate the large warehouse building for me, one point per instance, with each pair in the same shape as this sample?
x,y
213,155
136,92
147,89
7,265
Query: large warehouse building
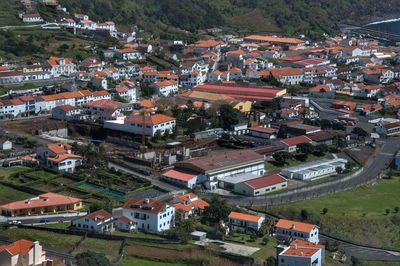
x,y
313,170
216,166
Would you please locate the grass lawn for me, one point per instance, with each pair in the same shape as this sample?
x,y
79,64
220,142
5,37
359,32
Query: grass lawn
x,y
269,167
131,261
354,212
8,171
107,247
56,225
42,174
52,240
8,194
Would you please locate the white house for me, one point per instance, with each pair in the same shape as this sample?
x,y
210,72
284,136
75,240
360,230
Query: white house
x,y
288,75
247,223
128,54
301,252
296,230
32,18
6,145
189,204
99,221
59,66
166,87
148,125
22,253
11,108
103,110
65,112
261,185
58,157
149,214
124,224
263,132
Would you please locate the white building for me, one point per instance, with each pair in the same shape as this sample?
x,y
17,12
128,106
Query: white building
x,y
128,54
388,129
302,253
11,108
58,157
148,125
22,253
65,113
103,110
149,214
315,169
296,230
32,18
247,223
166,87
59,66
99,221
6,145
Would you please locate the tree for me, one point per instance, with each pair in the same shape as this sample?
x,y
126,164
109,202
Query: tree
x,y
229,116
304,214
305,148
361,133
281,157
324,211
321,149
396,209
387,211
271,261
339,170
325,124
217,211
90,258
355,261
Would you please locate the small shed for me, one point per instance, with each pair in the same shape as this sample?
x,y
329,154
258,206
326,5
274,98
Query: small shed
x,y
6,145
198,235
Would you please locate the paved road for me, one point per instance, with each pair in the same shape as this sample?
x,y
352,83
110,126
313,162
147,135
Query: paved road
x,y
369,173
156,182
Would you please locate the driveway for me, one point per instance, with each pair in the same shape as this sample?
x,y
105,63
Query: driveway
x,y
228,247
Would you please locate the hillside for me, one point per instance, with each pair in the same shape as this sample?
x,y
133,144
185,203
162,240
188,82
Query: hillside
x,y
292,17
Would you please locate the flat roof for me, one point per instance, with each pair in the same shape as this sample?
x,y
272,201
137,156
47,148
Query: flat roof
x,y
236,179
316,165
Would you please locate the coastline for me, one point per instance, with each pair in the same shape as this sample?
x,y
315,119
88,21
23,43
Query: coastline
x,y
381,19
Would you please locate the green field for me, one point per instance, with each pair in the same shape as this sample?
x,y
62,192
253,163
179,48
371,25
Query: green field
x,y
52,240
141,262
42,174
107,247
8,171
353,213
8,194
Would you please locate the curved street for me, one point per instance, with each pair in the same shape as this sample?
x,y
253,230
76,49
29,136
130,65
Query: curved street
x,y
371,172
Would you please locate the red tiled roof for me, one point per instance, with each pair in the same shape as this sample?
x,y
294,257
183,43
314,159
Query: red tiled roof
x,y
63,157
265,181
21,246
44,200
99,215
153,205
67,107
298,226
179,175
105,104
244,217
150,120
296,140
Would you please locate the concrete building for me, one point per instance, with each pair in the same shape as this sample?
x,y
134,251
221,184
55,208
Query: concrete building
x,y
103,110
296,230
215,166
48,203
261,185
166,87
147,125
149,214
247,223
99,221
263,132
22,253
316,169
388,129
302,253
65,113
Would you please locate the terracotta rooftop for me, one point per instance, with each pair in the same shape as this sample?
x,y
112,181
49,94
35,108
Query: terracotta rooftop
x,y
44,200
265,181
244,217
18,247
298,226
